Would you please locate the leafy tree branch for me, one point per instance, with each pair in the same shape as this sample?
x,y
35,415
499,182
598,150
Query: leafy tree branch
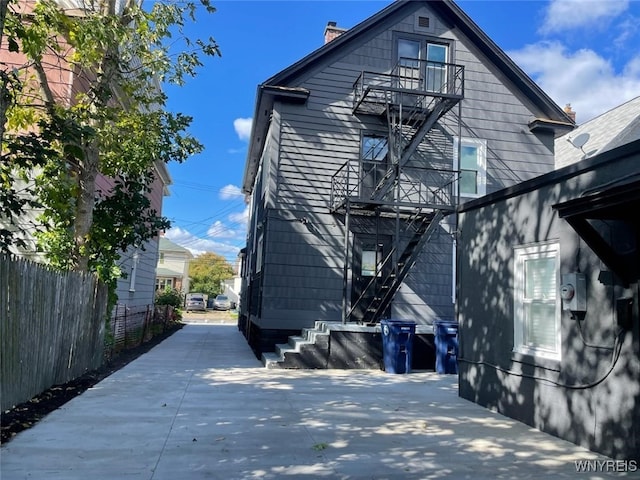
x,y
110,122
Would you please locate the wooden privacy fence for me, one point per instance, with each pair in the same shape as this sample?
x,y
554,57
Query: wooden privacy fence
x,y
51,328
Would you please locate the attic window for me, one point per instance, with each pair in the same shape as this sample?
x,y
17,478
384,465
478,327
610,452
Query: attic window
x,y
423,22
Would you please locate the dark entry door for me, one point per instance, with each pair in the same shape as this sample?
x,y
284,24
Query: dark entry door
x,y
368,274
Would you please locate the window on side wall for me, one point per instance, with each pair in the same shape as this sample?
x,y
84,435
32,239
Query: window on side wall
x,y
536,302
470,156
259,252
375,148
163,283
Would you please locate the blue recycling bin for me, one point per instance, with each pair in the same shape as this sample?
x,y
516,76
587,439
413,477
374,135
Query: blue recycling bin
x,y
446,339
397,345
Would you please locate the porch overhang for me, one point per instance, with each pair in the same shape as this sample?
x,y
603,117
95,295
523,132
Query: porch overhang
x,y
608,221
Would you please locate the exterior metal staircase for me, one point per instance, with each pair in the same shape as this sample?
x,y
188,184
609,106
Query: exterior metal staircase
x,y
413,189
387,288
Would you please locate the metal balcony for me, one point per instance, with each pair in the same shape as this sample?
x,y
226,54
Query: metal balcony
x,y
412,83
414,187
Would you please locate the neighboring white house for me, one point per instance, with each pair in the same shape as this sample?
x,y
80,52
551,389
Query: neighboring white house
x,y
173,266
233,286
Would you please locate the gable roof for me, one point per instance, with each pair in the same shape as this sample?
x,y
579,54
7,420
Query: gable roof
x,y
552,115
166,245
618,126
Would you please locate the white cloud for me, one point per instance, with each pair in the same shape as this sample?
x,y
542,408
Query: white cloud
x,y
625,31
241,218
197,245
242,127
220,230
582,78
231,192
571,14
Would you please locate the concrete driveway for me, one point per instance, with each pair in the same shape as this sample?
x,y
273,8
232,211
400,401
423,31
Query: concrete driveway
x,y
200,406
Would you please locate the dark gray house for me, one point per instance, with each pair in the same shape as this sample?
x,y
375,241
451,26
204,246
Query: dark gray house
x,y
359,154
552,336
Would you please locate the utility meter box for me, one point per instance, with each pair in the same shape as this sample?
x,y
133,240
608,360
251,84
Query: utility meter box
x,y
573,292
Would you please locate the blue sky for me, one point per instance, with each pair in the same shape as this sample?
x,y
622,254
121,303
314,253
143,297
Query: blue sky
x,y
582,52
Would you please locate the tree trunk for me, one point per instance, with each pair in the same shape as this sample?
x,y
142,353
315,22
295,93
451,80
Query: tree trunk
x,y
88,173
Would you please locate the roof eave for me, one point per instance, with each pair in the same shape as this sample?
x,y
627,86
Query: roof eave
x,y
448,9
559,128
531,89
265,97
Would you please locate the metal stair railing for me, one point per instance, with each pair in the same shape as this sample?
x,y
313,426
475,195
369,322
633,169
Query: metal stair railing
x,y
391,284
388,260
422,226
386,183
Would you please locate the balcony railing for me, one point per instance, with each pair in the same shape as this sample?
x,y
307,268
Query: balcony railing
x,y
409,79
356,181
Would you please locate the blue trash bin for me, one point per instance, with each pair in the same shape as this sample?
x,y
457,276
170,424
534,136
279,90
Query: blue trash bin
x,y
446,339
397,345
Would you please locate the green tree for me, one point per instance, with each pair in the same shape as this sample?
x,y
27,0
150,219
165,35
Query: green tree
x,y
207,271
116,125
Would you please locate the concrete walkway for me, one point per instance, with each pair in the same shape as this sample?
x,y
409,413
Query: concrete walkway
x,y
200,406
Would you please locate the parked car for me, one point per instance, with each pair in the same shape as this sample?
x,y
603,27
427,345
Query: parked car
x,y
222,302
196,302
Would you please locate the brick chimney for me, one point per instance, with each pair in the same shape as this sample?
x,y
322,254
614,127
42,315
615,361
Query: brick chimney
x,y
332,31
571,113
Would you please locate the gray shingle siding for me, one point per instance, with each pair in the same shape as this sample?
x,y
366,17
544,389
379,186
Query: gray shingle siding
x,y
304,262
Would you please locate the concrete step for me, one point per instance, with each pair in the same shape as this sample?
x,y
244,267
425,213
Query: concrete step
x,y
271,360
300,350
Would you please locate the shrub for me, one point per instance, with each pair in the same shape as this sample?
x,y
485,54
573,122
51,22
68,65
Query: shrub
x,y
170,296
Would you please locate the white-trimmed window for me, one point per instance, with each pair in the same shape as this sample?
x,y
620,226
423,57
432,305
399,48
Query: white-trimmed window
x,y
536,302
259,250
470,156
163,283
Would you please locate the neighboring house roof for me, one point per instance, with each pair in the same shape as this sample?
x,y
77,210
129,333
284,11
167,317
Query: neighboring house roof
x,y
167,272
618,126
280,85
167,245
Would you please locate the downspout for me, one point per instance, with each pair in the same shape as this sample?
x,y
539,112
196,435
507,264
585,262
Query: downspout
x,y
346,257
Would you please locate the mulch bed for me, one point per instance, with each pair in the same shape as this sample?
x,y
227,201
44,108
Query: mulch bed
x,y
27,414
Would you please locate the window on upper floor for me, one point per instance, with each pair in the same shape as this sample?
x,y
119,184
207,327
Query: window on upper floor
x,y
536,302
374,148
422,64
374,156
259,252
470,157
161,259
